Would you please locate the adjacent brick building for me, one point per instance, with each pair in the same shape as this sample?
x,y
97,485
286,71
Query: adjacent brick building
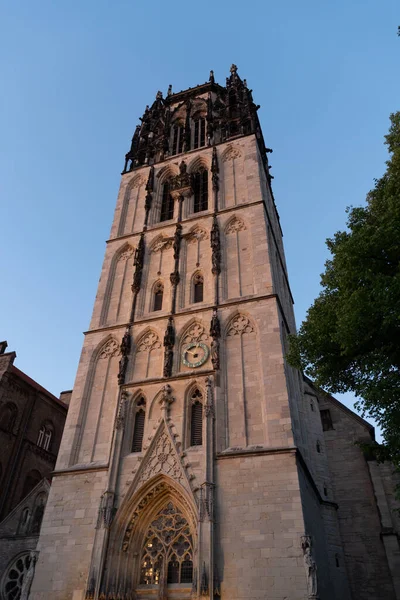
x,y
31,426
195,462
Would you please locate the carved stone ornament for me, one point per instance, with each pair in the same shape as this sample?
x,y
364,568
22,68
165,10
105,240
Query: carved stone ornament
x,y
229,112
137,182
110,349
174,278
240,325
160,489
149,342
28,576
196,333
107,508
215,170
215,247
235,225
127,253
177,241
231,153
138,263
163,459
161,245
181,185
123,363
209,405
197,235
310,567
169,341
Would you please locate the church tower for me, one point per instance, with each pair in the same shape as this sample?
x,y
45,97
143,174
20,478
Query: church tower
x,y
191,465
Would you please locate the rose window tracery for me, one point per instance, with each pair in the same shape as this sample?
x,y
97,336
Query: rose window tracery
x,y
168,549
15,576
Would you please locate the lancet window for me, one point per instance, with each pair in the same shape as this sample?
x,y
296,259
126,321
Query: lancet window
x,y
167,549
200,185
45,436
167,203
138,429
178,135
196,419
158,296
199,138
198,284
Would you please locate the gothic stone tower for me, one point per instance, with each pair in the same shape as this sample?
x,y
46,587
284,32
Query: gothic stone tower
x,y
188,466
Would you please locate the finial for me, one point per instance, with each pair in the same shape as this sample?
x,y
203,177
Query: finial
x,y
159,95
169,90
233,69
211,80
245,83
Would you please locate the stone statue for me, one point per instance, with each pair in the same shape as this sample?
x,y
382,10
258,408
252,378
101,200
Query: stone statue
x,y
28,577
215,353
311,568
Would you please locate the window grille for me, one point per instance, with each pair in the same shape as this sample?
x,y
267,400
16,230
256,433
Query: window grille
x,y
178,136
173,571
138,431
326,419
198,288
167,204
47,439
196,421
169,542
200,185
199,133
158,296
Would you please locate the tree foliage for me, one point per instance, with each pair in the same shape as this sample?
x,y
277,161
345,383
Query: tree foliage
x,y
350,339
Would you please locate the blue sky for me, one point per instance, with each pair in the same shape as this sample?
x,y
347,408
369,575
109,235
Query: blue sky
x,y
77,75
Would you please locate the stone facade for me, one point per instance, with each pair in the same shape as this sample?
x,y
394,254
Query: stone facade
x,y
191,463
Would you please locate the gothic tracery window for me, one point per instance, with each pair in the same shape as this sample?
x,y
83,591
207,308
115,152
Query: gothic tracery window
x,y
14,576
167,203
168,548
200,186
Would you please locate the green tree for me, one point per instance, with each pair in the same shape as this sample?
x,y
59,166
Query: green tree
x,y
350,339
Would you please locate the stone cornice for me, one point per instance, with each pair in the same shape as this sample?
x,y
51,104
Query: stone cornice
x,y
196,310
77,469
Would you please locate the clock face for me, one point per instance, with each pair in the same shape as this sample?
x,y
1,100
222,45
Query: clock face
x,y
195,354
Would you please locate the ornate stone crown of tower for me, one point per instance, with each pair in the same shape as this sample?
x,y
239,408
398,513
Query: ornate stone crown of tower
x,y
185,469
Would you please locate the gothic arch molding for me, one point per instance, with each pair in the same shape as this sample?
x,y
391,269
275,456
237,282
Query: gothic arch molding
x,y
147,346
132,522
136,182
124,253
200,162
106,349
194,331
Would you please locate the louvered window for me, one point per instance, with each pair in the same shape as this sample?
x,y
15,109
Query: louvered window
x,y
198,284
196,425
200,184
199,133
178,135
138,431
158,296
326,419
167,204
